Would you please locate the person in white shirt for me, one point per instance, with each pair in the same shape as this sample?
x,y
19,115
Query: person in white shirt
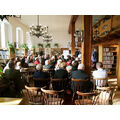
x,y
100,73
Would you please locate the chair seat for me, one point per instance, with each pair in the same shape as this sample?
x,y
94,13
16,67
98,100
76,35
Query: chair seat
x,y
84,102
37,100
55,101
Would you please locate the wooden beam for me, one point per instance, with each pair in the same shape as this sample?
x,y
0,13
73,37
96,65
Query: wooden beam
x,y
73,40
118,68
86,46
107,42
72,21
100,50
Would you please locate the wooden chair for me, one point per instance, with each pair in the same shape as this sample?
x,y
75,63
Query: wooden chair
x,y
79,85
34,95
50,71
59,84
101,82
106,95
52,97
87,98
41,82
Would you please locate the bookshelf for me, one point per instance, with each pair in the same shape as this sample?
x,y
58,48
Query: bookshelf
x,y
20,52
110,59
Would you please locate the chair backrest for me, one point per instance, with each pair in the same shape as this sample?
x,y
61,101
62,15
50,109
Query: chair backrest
x,y
59,84
34,95
105,96
79,85
87,98
41,82
52,97
50,71
101,82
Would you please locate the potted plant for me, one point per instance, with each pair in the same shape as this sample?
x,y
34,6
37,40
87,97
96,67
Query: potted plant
x,y
11,47
25,46
33,47
40,45
56,45
48,45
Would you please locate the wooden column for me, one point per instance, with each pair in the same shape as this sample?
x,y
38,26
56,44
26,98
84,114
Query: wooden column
x,y
100,50
86,45
118,71
73,40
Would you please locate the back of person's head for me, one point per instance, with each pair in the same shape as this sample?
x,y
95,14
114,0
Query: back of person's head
x,y
99,65
18,64
11,64
47,62
63,65
39,67
75,64
69,68
59,61
81,67
36,59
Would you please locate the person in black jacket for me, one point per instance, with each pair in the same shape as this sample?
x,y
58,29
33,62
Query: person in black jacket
x,y
40,74
81,74
61,74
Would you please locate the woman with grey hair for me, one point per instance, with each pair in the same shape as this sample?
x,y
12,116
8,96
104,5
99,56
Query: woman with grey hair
x,y
42,75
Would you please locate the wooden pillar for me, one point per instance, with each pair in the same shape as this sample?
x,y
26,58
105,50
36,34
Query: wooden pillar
x,y
73,40
100,50
118,71
86,45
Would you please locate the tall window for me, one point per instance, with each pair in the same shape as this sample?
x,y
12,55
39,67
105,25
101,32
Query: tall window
x,y
19,37
28,40
5,33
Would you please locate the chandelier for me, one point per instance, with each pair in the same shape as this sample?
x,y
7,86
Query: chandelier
x,y
38,30
2,17
46,37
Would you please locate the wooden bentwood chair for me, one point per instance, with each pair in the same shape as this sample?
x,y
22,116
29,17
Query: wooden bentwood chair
x,y
59,84
41,82
87,98
101,82
106,95
52,97
34,95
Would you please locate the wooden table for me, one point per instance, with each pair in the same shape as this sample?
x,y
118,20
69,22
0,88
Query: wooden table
x,y
10,101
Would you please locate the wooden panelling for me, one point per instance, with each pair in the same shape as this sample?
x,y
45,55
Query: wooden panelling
x,y
116,21
105,28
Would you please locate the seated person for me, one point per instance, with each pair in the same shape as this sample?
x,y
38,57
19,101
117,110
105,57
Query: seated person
x,y
74,65
47,65
59,61
100,73
61,74
81,74
13,79
36,61
40,74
